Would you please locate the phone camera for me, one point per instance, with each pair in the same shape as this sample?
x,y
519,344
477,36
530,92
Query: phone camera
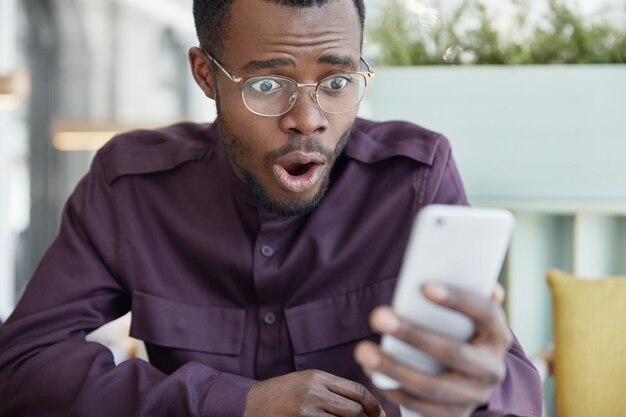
x,y
440,222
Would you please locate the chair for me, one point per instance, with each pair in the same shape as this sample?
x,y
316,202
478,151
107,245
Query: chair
x,y
589,334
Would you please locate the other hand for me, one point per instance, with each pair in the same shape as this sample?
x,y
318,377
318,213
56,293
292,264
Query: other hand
x,y
311,393
473,368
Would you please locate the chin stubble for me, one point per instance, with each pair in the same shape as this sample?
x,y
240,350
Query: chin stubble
x,y
236,147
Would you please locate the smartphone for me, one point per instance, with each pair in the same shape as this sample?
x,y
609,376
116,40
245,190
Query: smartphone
x,y
458,246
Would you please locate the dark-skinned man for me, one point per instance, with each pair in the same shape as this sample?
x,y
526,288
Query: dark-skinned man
x,y
251,251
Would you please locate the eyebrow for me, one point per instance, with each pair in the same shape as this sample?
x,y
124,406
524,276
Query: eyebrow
x,y
344,61
267,64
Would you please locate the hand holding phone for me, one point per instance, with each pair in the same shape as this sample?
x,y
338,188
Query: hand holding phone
x,y
457,246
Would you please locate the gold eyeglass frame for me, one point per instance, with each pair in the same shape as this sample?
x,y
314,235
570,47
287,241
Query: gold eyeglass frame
x,y
292,101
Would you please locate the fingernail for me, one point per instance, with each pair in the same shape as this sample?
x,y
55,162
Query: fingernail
x,y
386,321
498,294
368,357
436,292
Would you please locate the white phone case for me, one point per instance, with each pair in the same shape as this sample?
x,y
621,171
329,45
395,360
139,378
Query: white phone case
x,y
458,246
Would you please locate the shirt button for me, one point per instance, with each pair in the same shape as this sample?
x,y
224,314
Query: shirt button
x,y
270,318
267,250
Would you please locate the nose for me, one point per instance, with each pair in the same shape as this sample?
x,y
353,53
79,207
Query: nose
x,y
293,97
305,117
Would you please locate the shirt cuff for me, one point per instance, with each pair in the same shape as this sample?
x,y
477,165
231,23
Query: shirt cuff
x,y
227,396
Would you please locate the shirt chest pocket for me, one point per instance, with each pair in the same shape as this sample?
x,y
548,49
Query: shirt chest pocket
x,y
324,332
176,333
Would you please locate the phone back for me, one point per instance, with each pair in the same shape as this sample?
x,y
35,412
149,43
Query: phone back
x,y
459,246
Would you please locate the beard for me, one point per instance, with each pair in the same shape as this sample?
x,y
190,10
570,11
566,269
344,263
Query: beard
x,y
237,148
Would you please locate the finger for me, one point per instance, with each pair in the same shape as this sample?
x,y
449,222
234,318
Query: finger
x,y
498,293
355,392
484,365
425,408
338,405
444,388
367,354
488,317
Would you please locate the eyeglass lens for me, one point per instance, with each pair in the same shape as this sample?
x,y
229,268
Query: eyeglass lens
x,y
274,96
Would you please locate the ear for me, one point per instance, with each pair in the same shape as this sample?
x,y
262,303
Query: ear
x,y
201,70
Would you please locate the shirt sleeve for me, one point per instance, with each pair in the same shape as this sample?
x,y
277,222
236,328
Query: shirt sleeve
x,y
47,367
442,183
520,394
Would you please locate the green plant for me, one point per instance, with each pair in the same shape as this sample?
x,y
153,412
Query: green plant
x,y
562,36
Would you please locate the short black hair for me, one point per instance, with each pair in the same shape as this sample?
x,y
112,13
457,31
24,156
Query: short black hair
x,y
211,18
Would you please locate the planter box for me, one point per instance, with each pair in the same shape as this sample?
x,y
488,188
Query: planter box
x,y
550,136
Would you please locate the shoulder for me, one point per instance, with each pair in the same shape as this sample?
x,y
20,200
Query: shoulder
x,y
377,141
146,151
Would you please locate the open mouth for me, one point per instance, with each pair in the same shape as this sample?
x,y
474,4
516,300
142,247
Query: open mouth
x,y
299,172
296,170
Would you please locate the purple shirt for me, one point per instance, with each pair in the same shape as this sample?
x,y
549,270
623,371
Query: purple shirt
x,y
222,292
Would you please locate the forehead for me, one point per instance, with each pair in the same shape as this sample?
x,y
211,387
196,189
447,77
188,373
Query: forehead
x,y
263,29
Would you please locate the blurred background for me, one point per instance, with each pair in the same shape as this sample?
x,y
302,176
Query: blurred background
x,y
532,94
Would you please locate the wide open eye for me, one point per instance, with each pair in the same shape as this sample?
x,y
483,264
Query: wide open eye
x,y
336,83
265,85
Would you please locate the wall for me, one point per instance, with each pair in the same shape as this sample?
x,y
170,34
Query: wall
x,y
9,157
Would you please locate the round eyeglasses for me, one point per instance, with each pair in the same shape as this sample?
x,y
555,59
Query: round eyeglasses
x,y
275,95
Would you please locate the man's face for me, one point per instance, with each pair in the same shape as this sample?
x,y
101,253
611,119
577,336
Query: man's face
x,y
286,160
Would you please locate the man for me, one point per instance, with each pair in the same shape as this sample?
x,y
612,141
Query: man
x,y
251,251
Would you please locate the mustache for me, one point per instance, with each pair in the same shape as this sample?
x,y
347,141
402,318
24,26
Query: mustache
x,y
305,144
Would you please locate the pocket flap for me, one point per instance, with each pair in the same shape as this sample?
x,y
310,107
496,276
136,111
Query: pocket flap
x,y
336,320
187,326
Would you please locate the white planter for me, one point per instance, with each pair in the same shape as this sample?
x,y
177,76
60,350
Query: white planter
x,y
544,135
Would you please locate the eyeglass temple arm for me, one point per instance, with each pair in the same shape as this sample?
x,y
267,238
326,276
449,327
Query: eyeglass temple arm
x,y
216,62
370,70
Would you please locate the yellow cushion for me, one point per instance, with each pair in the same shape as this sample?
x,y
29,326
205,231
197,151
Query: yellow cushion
x,y
589,326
